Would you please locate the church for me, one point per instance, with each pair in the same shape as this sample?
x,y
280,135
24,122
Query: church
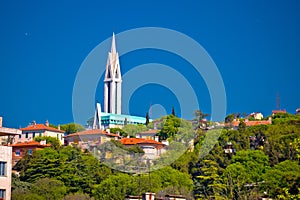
x,y
111,116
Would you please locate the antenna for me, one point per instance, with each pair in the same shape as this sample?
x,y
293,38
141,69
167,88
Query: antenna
x,y
278,101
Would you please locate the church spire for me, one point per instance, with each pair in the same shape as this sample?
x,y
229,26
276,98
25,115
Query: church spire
x,y
112,81
113,44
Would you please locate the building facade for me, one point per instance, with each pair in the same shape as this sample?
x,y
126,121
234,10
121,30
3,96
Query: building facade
x,y
35,130
90,138
6,160
19,150
5,172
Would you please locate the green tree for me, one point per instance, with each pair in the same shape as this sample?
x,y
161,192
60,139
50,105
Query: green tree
x,y
72,128
55,143
118,130
247,168
115,187
77,196
211,180
283,179
132,129
147,119
49,189
173,111
242,126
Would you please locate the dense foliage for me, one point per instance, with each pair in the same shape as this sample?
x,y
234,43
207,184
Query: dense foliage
x,y
263,162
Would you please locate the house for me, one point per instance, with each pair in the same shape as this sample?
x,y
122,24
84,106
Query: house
x,y
33,130
298,111
153,149
236,123
20,149
148,135
257,115
6,161
278,111
88,138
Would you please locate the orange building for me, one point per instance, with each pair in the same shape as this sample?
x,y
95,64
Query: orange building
x,y
19,150
152,148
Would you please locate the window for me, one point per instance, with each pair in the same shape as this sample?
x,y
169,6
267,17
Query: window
x,y
2,194
40,134
30,151
2,168
17,153
20,136
26,135
33,135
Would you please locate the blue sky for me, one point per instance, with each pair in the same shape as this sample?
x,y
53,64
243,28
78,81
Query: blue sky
x,y
255,45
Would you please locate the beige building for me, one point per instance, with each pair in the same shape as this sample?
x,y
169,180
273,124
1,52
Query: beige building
x,y
5,172
90,138
35,130
6,161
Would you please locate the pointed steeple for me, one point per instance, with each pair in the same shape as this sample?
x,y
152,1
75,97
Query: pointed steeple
x,y
113,44
112,81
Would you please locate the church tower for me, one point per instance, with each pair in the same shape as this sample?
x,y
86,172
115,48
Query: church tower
x,y
112,81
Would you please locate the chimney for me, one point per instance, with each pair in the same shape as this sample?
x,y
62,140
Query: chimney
x,y
58,126
0,121
47,123
156,138
33,122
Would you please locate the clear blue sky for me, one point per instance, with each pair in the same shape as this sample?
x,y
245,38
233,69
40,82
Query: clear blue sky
x,y
255,44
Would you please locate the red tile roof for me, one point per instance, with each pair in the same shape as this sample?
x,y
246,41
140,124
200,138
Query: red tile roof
x,y
278,111
30,143
151,131
133,141
40,127
252,123
92,132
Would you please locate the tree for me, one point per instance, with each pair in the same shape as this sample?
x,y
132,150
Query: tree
x,y
147,119
77,196
283,178
115,187
211,180
170,127
49,189
72,128
118,130
229,118
55,143
200,115
173,111
77,170
242,126
132,129
246,169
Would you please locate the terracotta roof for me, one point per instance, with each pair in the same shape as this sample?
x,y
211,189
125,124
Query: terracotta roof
x,y
133,141
93,132
251,123
30,143
278,111
151,131
40,127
